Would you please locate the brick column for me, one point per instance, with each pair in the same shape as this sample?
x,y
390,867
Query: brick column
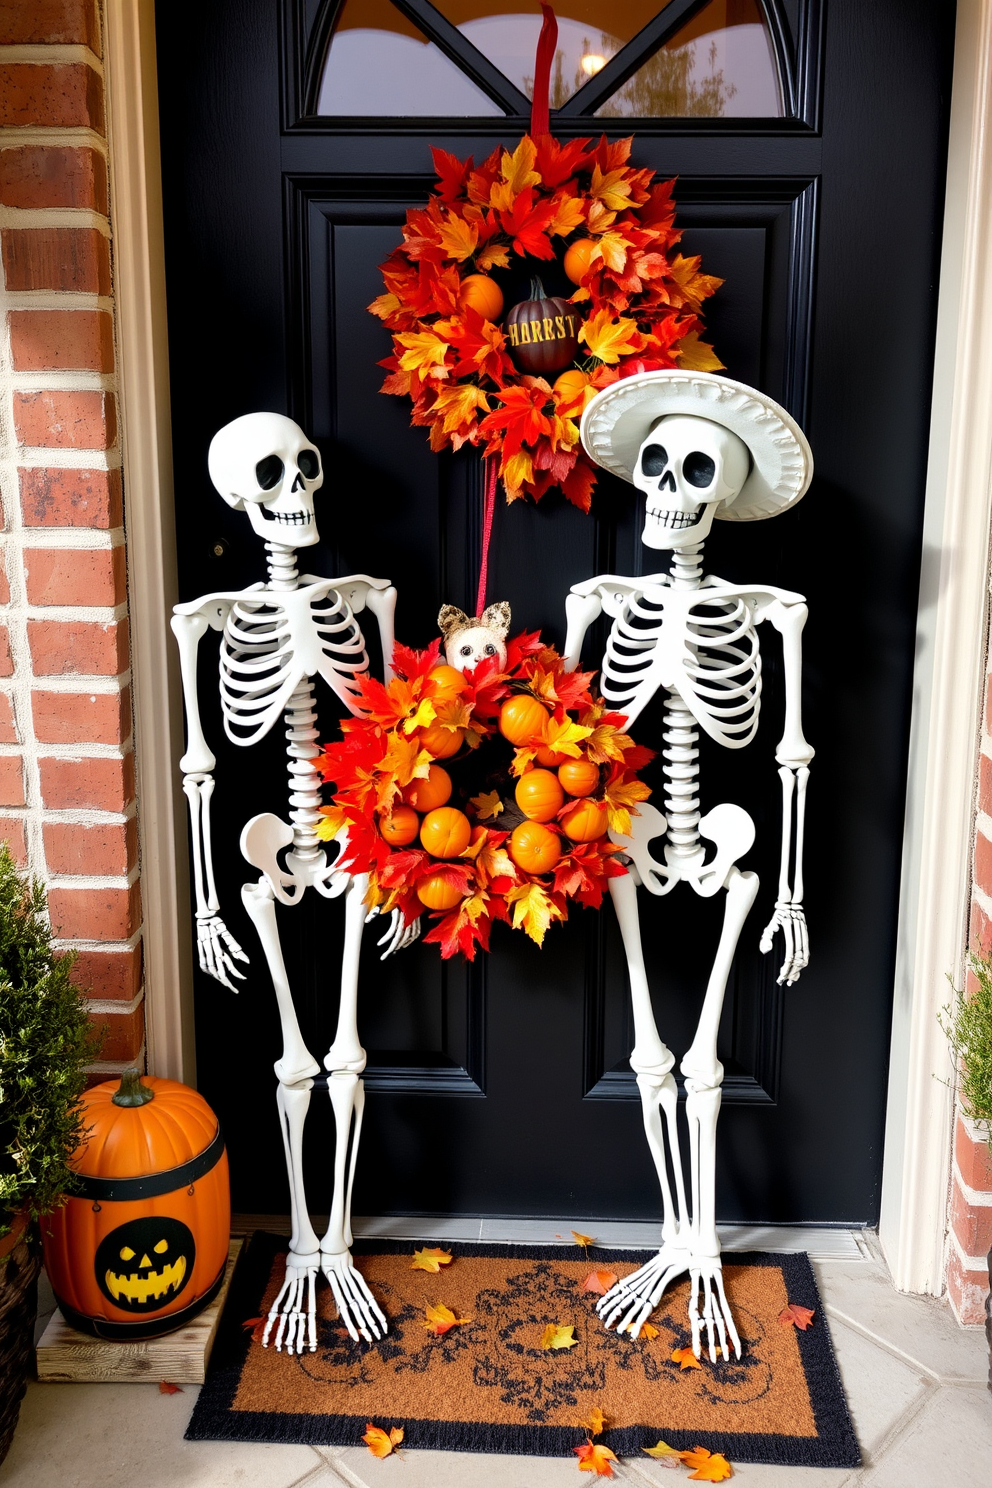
x,y
66,763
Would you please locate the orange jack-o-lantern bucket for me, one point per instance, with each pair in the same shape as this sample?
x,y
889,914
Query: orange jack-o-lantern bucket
x,y
142,1247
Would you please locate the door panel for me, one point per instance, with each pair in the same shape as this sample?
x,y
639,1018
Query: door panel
x,y
504,1087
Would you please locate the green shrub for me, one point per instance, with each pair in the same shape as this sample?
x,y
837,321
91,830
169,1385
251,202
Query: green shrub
x,y
967,1022
45,1039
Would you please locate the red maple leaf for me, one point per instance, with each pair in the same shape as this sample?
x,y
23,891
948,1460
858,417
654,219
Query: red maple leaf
x,y
527,222
556,162
408,663
452,173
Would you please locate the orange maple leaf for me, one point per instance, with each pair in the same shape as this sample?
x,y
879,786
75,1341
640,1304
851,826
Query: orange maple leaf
x,y
595,1458
534,910
440,1320
796,1316
648,1330
165,1388
584,1240
458,238
596,1423
608,337
685,1359
598,1281
255,1326
430,1260
378,1442
710,1467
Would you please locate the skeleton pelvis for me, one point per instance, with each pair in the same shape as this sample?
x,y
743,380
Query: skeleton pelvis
x,y
727,826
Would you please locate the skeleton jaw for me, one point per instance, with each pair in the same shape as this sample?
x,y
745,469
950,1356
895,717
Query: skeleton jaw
x,y
290,523
673,527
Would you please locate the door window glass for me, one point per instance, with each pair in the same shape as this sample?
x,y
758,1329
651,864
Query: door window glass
x,y
378,63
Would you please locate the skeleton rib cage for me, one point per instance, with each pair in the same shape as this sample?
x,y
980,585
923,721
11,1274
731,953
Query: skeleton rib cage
x,y
264,655
709,655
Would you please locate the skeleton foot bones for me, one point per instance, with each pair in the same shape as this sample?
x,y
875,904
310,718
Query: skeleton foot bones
x,y
294,1311
628,1305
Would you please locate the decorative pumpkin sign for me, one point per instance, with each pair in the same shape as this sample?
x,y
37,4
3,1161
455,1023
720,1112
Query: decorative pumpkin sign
x,y
543,332
513,825
142,1248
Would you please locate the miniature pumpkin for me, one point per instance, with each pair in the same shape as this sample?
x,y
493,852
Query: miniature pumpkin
x,y
435,790
578,257
435,892
543,332
586,821
440,741
479,292
539,795
144,1247
445,682
445,832
522,718
401,827
579,777
549,758
534,848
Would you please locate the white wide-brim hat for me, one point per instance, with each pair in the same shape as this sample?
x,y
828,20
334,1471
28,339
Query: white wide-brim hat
x,y
617,422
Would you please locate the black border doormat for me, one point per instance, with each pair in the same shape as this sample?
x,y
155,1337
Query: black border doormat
x,y
488,1386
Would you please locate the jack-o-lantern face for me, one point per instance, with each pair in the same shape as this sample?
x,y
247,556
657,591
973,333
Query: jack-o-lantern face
x,y
143,1264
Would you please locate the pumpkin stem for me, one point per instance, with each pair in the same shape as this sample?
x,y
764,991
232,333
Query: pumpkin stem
x,y
131,1091
537,290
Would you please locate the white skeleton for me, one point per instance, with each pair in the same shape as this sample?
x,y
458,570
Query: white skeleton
x,y
695,638
275,638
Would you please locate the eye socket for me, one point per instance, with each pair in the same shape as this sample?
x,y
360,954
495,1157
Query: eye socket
x,y
654,459
127,1254
309,462
269,472
161,1247
699,469
465,651
490,649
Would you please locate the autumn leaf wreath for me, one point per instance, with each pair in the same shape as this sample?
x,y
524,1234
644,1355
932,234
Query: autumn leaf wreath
x,y
459,838
636,307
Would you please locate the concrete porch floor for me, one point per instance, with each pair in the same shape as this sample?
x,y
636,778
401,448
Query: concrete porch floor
x,y
916,1386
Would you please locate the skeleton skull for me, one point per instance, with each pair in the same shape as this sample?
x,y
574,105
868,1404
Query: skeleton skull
x,y
686,467
265,465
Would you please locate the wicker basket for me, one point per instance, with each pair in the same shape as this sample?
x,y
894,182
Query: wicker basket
x,y
20,1261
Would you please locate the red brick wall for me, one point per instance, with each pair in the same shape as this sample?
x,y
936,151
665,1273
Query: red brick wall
x,y
67,802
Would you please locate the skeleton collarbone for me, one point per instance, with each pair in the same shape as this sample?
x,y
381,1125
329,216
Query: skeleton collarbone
x,y
699,644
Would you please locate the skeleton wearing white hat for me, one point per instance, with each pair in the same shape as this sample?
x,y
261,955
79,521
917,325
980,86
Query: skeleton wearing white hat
x,y
700,447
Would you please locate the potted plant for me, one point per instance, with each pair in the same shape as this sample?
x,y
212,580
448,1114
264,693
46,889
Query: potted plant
x,y
45,1039
967,1022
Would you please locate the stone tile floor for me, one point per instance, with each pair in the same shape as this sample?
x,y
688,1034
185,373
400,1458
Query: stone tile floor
x,y
916,1385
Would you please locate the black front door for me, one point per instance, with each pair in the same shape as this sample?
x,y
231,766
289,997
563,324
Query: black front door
x,y
809,144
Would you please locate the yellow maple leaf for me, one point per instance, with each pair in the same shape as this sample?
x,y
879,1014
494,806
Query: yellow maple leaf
x,y
518,469
570,213
518,169
606,742
456,405
661,1450
619,801
612,188
598,219
424,716
533,910
494,862
710,1467
334,820
564,736
609,338
430,1260
424,352
492,256
596,1423
613,246
458,238
403,762
385,305
378,1443
487,806
584,1240
694,355
441,1319
695,287
555,1336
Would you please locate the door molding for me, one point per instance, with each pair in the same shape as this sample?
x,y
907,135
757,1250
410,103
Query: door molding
x,y
936,872
143,361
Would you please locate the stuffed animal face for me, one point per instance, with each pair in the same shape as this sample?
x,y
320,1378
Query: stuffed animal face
x,y
469,641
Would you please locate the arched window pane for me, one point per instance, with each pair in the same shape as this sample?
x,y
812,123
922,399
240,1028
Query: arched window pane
x,y
378,63
720,65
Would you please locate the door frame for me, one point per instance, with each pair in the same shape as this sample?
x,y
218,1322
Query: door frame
x,y
935,881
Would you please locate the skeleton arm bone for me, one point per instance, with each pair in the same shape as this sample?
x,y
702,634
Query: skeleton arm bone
x,y
584,605
793,756
216,947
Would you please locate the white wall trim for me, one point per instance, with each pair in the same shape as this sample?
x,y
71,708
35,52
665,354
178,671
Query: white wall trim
x,y
933,919
139,283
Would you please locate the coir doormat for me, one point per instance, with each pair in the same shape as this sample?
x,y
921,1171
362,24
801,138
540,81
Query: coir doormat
x,y
488,1386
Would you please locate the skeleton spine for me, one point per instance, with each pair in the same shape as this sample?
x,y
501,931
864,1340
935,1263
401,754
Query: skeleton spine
x,y
680,734
300,717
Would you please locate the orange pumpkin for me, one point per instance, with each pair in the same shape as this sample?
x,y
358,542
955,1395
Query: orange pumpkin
x,y
550,758
441,742
578,257
435,790
534,848
445,682
573,385
445,833
586,821
436,892
481,293
400,828
539,795
522,718
579,777
144,1247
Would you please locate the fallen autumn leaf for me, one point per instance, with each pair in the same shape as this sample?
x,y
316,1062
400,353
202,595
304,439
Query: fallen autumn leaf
x,y
596,1423
378,1443
711,1467
648,1330
663,1453
557,1337
584,1240
796,1316
595,1458
441,1319
430,1260
164,1388
685,1359
598,1281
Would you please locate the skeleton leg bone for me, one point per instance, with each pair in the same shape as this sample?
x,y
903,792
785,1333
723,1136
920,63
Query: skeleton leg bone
x,y
344,1062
